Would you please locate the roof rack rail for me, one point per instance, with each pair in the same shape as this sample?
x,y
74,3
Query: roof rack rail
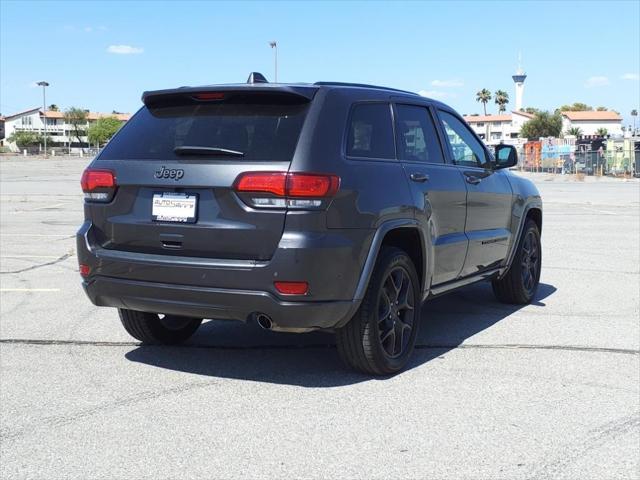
x,y
363,85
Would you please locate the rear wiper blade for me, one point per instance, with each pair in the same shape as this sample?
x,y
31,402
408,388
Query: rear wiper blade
x,y
195,150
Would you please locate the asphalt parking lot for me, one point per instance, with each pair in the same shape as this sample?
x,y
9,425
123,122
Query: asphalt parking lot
x,y
550,390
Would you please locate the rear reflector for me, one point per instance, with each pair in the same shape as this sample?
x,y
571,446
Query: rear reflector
x,y
98,184
85,270
292,288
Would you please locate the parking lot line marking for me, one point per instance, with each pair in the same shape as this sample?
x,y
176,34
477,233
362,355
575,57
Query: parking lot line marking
x,y
34,234
29,256
29,289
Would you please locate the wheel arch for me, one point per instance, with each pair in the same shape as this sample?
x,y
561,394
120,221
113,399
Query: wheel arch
x,y
403,234
532,211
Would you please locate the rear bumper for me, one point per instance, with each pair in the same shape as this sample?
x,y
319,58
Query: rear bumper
x,y
331,262
216,303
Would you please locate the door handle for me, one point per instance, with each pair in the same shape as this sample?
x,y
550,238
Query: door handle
x,y
419,177
473,180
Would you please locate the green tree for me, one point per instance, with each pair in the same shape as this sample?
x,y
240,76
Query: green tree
x,y
25,139
575,107
601,109
601,132
483,96
77,118
531,110
575,131
102,130
53,108
501,99
544,124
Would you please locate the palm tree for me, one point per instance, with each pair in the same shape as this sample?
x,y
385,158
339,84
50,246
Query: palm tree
x,y
53,107
634,114
575,131
601,132
501,98
483,96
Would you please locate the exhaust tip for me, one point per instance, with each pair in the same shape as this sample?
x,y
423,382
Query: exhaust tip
x,y
264,321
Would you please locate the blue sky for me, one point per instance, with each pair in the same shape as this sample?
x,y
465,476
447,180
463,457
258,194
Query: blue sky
x,y
102,55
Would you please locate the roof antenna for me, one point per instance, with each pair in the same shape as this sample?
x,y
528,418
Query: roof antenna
x,y
256,77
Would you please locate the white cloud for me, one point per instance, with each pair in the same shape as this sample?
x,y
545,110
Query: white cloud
x,y
447,83
437,94
124,49
88,29
597,81
630,76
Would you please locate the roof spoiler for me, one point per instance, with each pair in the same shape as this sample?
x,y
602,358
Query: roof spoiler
x,y
287,93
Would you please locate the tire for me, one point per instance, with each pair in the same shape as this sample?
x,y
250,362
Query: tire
x,y
152,329
381,336
520,284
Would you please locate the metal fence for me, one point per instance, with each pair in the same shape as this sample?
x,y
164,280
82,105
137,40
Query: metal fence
x,y
587,162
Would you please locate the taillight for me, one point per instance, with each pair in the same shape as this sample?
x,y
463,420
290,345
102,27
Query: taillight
x,y
281,189
98,185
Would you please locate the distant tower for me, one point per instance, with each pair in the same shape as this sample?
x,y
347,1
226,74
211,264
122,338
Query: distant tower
x,y
519,79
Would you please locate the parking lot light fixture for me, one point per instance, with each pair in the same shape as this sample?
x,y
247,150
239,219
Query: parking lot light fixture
x,y
44,85
273,44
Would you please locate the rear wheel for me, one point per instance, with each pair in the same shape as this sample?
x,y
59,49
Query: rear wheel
x,y
158,329
520,284
381,336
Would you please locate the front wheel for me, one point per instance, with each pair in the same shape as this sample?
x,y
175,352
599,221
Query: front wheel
x,y
381,336
520,284
158,329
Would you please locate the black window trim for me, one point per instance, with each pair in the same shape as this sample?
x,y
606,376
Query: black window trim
x,y
345,135
449,153
428,107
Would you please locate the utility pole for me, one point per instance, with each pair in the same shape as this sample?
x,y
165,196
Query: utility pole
x,y
273,44
44,85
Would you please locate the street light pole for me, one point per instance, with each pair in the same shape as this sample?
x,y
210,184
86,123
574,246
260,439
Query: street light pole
x,y
274,45
44,85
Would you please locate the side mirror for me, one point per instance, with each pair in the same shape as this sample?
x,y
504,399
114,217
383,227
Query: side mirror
x,y
506,156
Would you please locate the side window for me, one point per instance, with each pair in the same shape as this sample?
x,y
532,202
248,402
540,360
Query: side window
x,y
371,131
466,150
416,135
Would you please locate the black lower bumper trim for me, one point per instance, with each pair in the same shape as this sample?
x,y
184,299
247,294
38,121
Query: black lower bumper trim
x,y
204,302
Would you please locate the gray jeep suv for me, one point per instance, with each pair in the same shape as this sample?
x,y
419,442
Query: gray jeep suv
x,y
332,206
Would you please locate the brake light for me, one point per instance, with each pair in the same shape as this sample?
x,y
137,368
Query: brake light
x,y
311,185
296,190
209,96
98,185
267,182
292,288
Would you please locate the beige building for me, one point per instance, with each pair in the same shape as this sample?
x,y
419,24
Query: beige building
x,y
59,132
494,129
589,122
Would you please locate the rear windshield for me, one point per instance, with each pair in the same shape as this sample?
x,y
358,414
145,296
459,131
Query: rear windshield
x,y
260,131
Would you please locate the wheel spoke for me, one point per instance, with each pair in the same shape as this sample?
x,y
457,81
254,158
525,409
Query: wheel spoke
x,y
385,302
404,303
396,283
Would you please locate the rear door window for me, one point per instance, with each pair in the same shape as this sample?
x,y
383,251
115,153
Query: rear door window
x,y
371,131
416,135
261,130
